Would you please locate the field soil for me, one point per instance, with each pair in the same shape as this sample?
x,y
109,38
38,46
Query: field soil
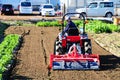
x,y
109,41
33,58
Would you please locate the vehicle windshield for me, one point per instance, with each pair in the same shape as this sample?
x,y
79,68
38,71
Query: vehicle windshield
x,y
7,6
26,4
48,6
92,5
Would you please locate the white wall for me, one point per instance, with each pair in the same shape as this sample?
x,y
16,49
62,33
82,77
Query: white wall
x,y
38,2
71,5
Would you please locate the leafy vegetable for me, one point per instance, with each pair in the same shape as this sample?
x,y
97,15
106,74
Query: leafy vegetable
x,y
6,48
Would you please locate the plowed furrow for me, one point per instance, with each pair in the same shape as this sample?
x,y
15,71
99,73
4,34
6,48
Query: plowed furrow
x,y
44,52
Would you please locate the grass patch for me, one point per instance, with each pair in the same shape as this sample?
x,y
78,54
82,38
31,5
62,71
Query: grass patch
x,y
48,24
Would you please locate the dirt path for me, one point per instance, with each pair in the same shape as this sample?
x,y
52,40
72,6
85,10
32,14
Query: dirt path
x,y
34,16
34,58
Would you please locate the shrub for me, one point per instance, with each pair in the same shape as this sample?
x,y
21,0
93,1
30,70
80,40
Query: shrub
x,y
101,27
19,23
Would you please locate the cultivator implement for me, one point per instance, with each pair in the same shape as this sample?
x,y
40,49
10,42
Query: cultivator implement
x,y
74,61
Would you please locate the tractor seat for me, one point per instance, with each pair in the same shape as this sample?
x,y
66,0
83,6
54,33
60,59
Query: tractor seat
x,y
73,32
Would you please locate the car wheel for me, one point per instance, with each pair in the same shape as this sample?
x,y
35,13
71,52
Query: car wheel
x,y
108,15
40,13
1,13
12,13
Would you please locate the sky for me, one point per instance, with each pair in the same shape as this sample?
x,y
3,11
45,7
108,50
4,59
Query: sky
x,y
54,2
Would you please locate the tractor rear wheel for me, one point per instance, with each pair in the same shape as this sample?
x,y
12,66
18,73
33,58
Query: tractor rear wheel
x,y
87,46
57,47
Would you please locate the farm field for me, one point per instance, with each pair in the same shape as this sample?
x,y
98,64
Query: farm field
x,y
33,58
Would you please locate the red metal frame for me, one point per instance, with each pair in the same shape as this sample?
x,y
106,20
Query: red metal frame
x,y
73,56
71,39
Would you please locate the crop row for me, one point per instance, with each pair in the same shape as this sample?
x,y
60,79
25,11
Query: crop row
x,y
101,27
48,23
6,52
95,26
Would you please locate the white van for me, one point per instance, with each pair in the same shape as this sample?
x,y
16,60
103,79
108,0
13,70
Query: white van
x,y
25,7
100,8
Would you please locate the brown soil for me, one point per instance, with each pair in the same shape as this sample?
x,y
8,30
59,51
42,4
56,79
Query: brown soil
x,y
34,58
109,41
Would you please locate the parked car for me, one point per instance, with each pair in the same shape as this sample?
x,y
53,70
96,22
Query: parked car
x,y
25,7
100,8
47,10
7,9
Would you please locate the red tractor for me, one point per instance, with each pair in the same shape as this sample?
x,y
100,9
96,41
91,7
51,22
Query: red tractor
x,y
74,51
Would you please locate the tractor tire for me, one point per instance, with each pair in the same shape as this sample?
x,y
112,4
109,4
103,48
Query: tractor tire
x,y
57,47
87,46
84,14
